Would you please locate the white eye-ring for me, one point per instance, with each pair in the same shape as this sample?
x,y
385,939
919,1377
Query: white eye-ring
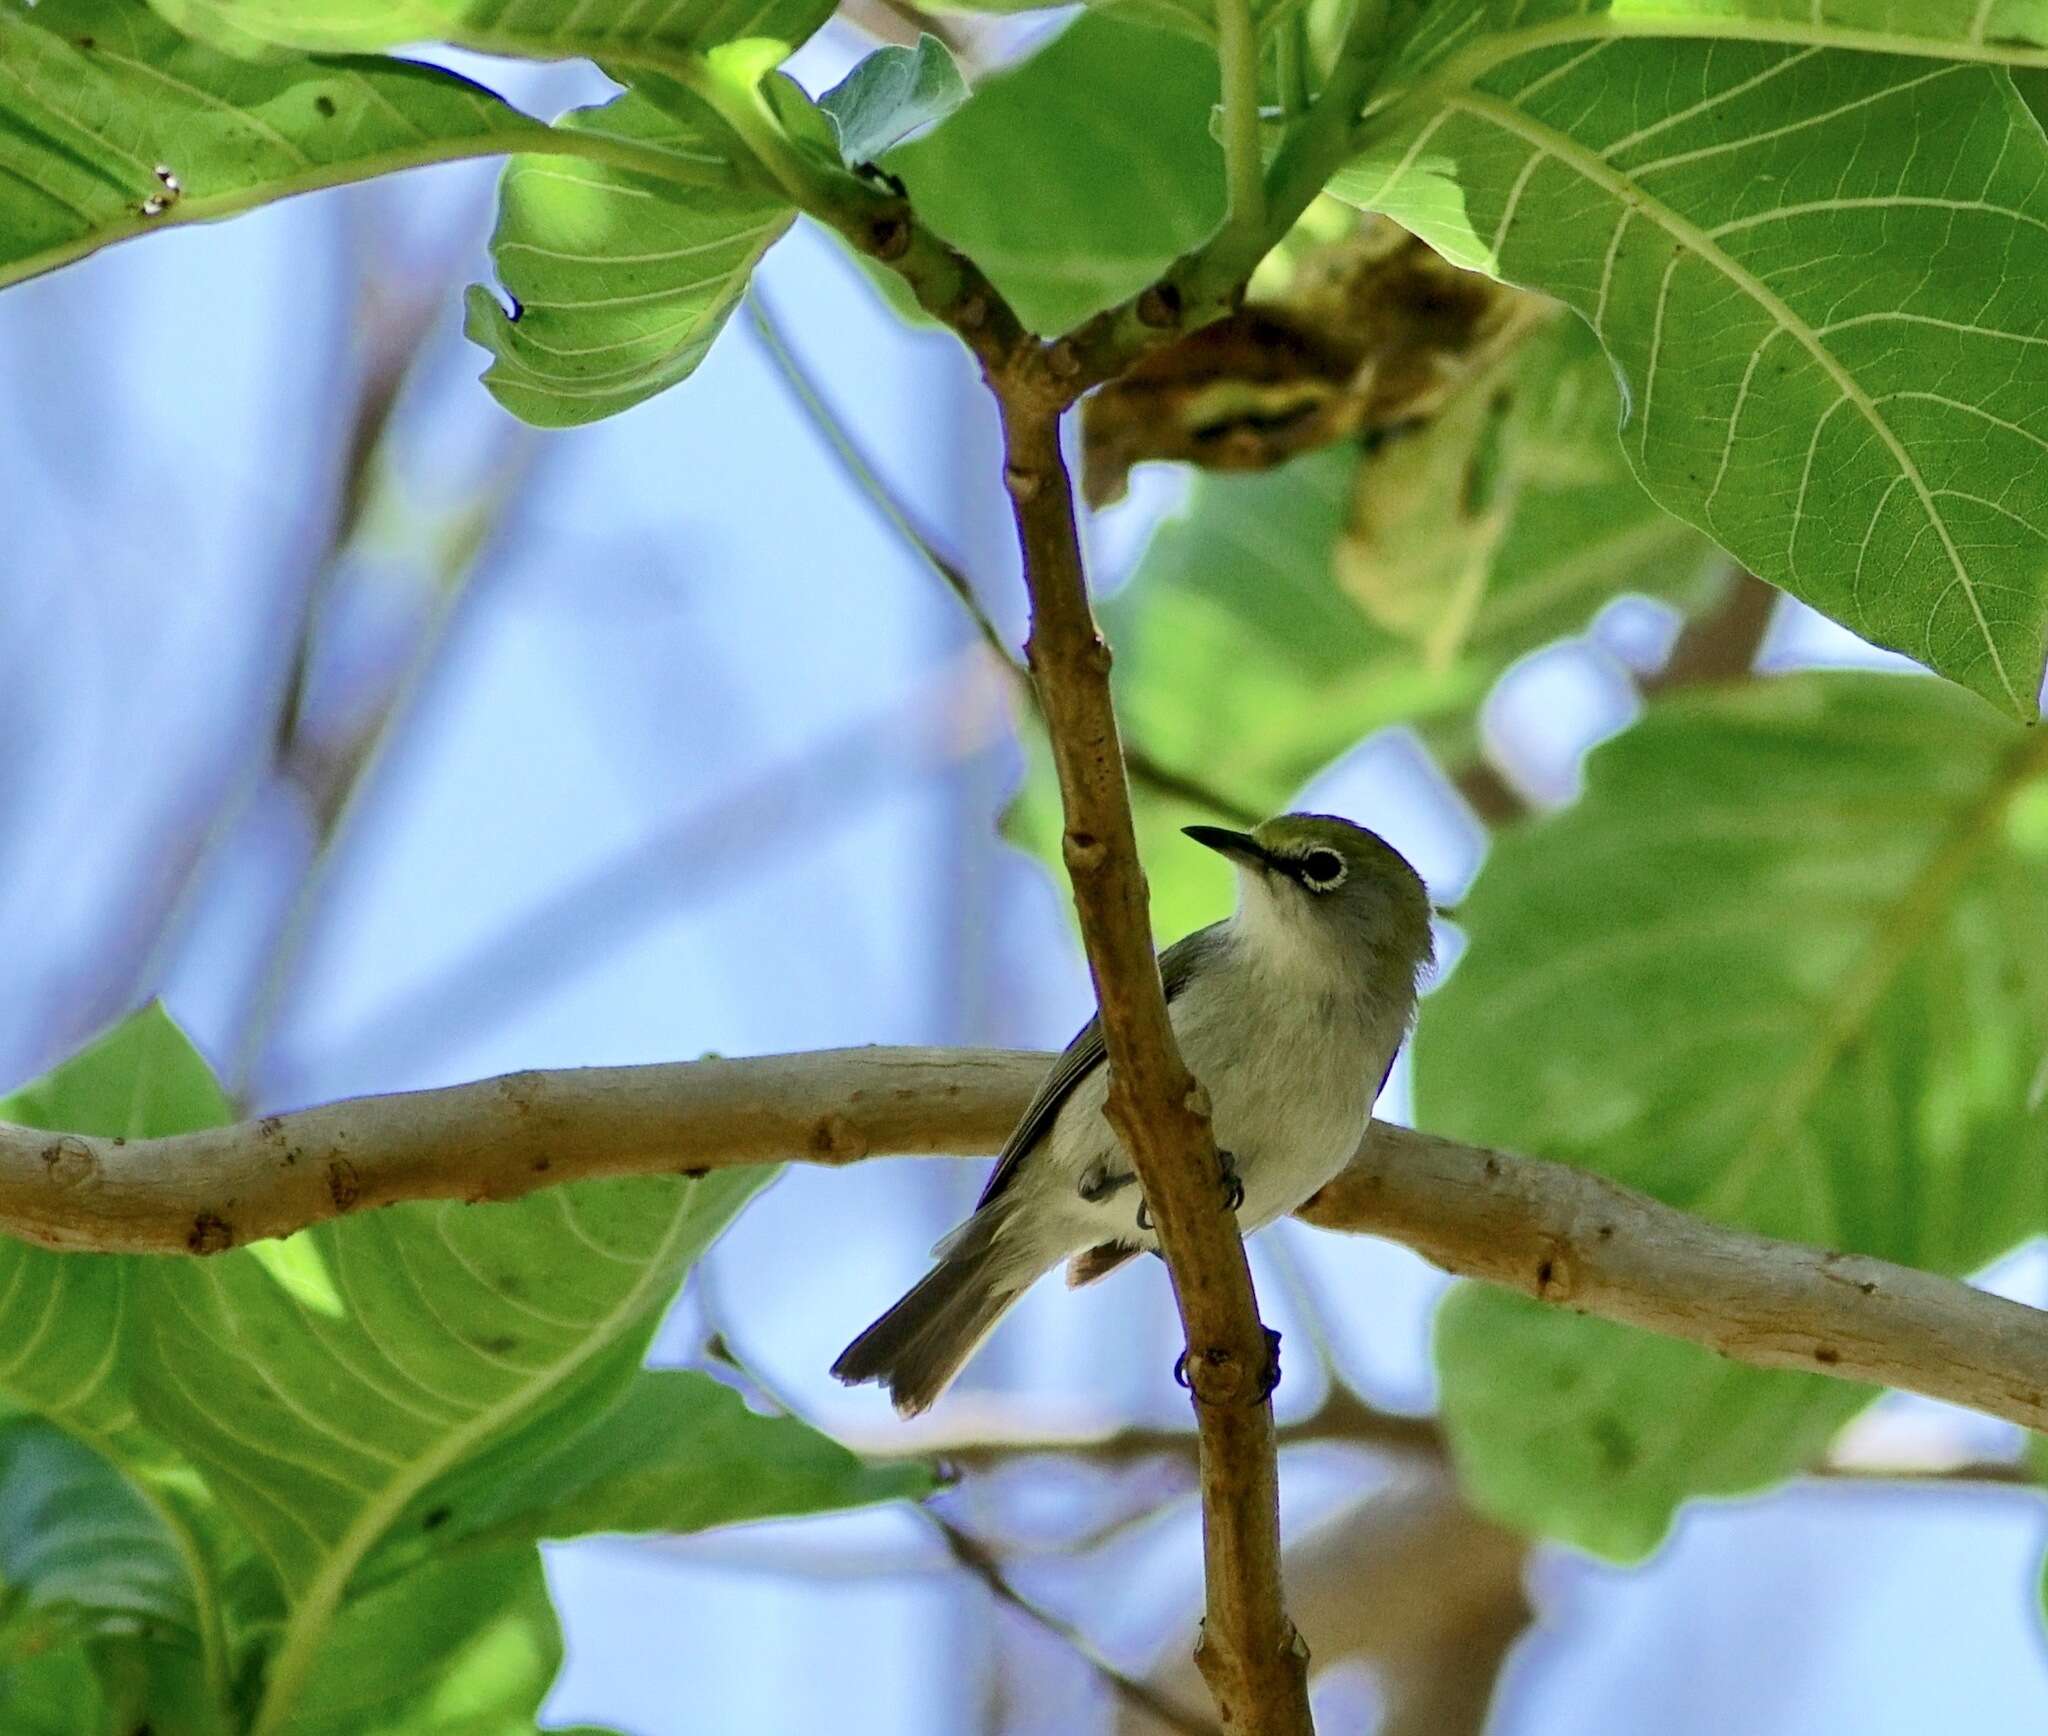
x,y
1322,870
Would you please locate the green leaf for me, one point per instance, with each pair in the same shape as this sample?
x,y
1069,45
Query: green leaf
x,y
615,30
68,1322
394,1406
1815,272
619,280
2003,32
324,1387
1786,966
81,1552
466,1645
890,95
667,1451
100,94
142,1080
55,1693
1067,191
1241,662
1194,19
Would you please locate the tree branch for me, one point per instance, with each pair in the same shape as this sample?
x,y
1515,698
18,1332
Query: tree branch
x,y
1249,1653
1551,1231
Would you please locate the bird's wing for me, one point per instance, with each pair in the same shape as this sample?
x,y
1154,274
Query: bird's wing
x,y
1177,967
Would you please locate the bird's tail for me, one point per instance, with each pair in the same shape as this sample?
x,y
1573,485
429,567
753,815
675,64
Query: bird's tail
x,y
923,1342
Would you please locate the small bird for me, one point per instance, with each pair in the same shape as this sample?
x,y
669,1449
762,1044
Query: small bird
x,y
1290,1014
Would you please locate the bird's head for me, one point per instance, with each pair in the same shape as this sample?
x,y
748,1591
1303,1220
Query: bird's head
x,y
1310,881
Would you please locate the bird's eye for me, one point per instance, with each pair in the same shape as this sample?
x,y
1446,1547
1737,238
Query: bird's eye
x,y
1322,870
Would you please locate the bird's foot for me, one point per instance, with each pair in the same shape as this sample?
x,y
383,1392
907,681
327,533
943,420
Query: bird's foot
x,y
1098,1184
1233,1183
1233,1188
1269,1376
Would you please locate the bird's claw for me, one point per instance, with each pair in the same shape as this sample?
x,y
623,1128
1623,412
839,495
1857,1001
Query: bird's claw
x,y
1269,1377
1233,1191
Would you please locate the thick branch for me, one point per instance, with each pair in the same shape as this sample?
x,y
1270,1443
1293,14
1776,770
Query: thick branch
x,y
1554,1232
1249,1652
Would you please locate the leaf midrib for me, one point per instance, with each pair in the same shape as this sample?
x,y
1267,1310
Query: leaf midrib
x,y
306,1627
1861,989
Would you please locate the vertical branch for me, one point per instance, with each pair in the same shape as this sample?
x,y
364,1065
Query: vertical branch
x,y
1249,1654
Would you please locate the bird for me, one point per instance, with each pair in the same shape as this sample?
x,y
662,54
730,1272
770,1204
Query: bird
x,y
1290,1012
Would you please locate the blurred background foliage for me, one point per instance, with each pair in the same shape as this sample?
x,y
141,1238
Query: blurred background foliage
x,y
390,743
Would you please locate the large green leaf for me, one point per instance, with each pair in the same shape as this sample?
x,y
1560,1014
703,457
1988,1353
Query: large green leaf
x,y
1786,966
1816,272
393,1407
97,95
1075,179
326,1384
621,30
67,1322
1487,32
619,280
1241,663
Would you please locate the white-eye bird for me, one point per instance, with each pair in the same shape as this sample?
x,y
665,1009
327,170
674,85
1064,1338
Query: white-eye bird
x,y
1290,1013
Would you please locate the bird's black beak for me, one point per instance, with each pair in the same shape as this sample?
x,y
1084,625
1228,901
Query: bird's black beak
x,y
1239,846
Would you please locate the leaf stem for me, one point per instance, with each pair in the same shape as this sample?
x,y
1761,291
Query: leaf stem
x,y
1237,53
1291,52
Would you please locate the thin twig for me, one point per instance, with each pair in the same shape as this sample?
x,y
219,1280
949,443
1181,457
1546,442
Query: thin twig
x,y
1722,644
336,808
396,333
1343,1417
863,473
978,1559
866,476
1550,1230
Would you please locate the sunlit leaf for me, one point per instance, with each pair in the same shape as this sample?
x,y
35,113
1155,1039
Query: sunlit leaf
x,y
113,126
596,28
1815,268
618,281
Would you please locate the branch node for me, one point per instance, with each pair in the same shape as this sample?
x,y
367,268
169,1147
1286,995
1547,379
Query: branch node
x,y
889,240
1064,360
1023,484
69,1162
344,1184
210,1234
836,1140
1159,306
1084,852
